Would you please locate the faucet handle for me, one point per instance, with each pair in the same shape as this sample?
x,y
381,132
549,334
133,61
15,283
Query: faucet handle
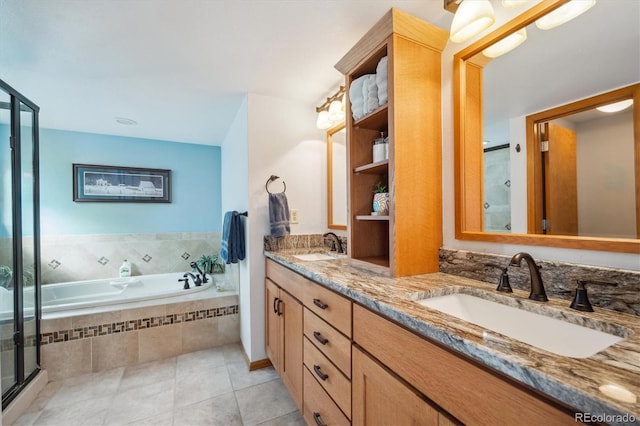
x,y
186,282
503,285
581,299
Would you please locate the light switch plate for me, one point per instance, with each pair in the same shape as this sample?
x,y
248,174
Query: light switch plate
x,y
293,215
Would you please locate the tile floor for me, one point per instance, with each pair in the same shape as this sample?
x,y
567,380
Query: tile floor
x,y
209,387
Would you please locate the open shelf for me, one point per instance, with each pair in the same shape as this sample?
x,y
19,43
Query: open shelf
x,y
375,120
373,168
372,217
377,260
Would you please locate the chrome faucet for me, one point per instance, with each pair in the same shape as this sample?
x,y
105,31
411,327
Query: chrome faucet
x,y
537,287
336,244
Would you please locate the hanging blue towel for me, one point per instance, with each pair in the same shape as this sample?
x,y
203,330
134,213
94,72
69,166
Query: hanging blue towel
x,y
232,245
279,214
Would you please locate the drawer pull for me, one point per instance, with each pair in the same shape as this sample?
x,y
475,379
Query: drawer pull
x,y
319,338
316,417
275,302
319,304
279,311
319,372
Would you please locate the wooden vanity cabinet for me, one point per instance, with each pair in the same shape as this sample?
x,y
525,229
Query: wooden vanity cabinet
x,y
406,241
284,337
470,393
308,340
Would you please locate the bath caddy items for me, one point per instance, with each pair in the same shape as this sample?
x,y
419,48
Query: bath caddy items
x,y
380,200
380,148
125,269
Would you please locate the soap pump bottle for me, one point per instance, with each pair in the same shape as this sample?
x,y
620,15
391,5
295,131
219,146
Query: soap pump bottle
x,y
125,269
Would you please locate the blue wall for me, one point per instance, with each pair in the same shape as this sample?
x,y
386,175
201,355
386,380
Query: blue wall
x,y
195,185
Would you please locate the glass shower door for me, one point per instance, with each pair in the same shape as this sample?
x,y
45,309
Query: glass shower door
x,y
28,205
7,308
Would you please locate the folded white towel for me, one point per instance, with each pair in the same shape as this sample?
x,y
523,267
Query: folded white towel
x,y
381,81
381,70
370,94
383,94
355,97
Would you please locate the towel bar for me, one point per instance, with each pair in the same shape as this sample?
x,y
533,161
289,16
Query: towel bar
x,y
271,179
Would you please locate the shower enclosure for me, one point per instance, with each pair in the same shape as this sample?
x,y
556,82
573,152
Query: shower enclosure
x,y
19,242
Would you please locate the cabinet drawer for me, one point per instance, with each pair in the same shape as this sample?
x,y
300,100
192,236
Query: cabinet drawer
x,y
330,306
331,343
318,407
329,376
292,282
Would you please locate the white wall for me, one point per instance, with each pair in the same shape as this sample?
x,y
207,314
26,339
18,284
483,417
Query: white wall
x,y
606,176
587,257
278,137
234,196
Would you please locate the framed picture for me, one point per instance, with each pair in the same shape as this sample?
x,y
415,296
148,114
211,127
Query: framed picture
x,y
92,183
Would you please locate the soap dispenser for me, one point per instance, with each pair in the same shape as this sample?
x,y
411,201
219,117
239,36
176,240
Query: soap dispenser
x,y
125,269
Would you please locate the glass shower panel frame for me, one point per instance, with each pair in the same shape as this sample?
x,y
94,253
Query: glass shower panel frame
x,y
29,207
23,342
8,354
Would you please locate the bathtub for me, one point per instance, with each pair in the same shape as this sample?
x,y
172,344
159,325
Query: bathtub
x,y
114,291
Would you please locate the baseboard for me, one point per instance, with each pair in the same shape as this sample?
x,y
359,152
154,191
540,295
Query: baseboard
x,y
255,365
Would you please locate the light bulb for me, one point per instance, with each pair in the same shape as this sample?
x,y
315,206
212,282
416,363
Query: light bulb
x,y
616,106
336,112
505,45
471,18
323,121
564,13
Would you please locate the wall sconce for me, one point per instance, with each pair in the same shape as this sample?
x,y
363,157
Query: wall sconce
x,y
513,3
505,45
564,13
471,18
331,112
617,106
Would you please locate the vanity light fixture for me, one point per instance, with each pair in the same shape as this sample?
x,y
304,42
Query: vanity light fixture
x,y
564,13
331,112
505,45
616,106
471,18
513,3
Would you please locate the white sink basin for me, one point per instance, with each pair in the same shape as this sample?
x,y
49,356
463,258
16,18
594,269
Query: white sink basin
x,y
551,334
314,256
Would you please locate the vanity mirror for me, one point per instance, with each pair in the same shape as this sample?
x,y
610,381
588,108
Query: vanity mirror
x,y
337,177
506,100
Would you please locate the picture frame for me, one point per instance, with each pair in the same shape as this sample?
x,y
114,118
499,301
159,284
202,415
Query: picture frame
x,y
96,183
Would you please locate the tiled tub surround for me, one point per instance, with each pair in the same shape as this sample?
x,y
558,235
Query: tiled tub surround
x,y
67,258
574,382
559,278
96,339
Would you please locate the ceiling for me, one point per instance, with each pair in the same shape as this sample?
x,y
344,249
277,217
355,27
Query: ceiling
x,y
180,68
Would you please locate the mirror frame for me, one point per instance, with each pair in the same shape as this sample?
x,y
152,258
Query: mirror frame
x,y
468,176
330,221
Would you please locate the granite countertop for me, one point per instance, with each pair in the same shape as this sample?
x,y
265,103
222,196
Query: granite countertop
x,y
579,383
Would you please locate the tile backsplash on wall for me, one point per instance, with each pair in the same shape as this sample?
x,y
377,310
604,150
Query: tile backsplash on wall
x,y
300,241
85,257
559,278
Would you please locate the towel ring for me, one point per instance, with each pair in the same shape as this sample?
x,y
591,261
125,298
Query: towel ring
x,y
271,179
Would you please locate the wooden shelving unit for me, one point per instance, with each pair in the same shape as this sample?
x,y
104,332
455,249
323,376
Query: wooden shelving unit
x,y
406,242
